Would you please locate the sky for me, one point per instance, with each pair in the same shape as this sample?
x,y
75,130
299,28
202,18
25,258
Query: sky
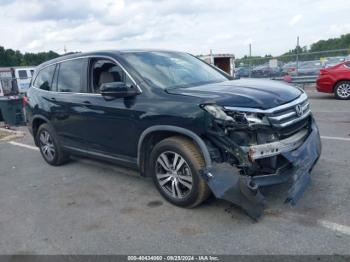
x,y
195,26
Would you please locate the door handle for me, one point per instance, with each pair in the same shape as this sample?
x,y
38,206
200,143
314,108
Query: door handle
x,y
53,99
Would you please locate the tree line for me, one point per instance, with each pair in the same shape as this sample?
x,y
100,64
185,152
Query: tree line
x,y
10,57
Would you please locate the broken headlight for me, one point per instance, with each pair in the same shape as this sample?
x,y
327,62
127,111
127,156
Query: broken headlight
x,y
250,118
239,117
217,112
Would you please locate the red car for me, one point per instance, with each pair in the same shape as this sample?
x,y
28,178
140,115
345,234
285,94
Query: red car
x,y
335,80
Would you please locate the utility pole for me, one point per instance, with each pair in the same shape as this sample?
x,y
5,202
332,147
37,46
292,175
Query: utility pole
x,y
250,60
297,58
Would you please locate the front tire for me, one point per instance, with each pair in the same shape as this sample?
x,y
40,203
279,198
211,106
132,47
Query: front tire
x,y
175,163
49,146
342,90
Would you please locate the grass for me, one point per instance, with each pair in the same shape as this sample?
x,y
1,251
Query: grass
x,y
4,133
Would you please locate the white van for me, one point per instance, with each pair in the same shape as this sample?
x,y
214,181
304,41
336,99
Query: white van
x,y
23,77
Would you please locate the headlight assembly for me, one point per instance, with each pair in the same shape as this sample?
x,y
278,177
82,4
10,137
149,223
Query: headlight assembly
x,y
217,112
239,117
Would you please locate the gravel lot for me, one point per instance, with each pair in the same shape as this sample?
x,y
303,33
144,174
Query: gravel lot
x,y
90,207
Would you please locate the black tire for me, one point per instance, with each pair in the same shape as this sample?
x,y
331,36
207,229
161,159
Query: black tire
x,y
60,156
342,95
194,162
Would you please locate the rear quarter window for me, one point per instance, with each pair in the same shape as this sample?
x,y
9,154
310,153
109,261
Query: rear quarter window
x,y
44,78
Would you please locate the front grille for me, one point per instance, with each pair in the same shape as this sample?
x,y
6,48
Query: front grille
x,y
289,114
293,128
285,119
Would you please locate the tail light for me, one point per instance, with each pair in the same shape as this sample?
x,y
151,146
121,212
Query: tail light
x,y
24,101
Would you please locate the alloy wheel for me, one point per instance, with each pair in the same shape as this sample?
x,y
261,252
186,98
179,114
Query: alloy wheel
x,y
343,90
174,175
47,146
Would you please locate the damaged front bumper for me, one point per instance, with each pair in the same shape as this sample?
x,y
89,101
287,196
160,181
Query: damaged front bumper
x,y
301,152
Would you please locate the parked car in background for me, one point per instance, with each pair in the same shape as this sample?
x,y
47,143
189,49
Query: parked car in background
x,y
265,71
23,76
335,80
241,72
178,120
309,68
289,68
332,61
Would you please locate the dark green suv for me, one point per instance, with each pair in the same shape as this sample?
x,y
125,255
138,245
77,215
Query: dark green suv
x,y
175,118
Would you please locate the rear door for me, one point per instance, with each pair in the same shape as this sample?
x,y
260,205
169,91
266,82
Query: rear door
x,y
69,113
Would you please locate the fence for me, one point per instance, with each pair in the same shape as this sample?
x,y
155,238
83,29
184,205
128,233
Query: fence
x,y
302,67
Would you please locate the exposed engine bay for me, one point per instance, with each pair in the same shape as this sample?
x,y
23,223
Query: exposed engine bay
x,y
251,148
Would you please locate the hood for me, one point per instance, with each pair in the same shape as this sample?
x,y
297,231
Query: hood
x,y
254,93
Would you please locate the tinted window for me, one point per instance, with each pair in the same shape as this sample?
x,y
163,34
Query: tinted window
x,y
22,73
44,78
69,76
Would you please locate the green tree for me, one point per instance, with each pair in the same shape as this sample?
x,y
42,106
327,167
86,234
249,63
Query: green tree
x,y
10,57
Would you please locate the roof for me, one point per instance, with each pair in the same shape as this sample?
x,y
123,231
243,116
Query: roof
x,y
100,53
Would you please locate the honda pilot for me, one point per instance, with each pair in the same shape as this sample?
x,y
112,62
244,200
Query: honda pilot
x,y
177,119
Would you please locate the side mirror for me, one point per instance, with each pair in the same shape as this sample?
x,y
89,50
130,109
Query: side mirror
x,y
116,89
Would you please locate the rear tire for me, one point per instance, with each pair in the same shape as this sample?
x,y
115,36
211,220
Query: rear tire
x,y
50,147
175,163
342,90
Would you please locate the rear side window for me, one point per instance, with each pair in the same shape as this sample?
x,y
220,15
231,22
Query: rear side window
x,y
70,76
22,73
44,78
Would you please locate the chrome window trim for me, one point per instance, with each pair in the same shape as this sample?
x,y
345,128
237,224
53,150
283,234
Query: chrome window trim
x,y
71,93
299,100
80,57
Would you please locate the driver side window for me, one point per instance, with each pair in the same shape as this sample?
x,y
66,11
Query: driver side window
x,y
104,71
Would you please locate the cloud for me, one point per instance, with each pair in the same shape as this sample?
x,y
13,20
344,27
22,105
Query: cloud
x,y
295,19
194,26
339,29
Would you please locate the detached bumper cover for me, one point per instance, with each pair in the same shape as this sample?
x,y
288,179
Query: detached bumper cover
x,y
244,190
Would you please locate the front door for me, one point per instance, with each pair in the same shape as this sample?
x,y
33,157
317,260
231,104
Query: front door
x,y
111,120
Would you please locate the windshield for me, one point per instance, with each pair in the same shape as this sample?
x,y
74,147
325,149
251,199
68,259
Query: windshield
x,y
171,69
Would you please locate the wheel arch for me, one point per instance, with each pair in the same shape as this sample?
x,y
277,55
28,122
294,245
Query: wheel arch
x,y
154,134
338,81
37,121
